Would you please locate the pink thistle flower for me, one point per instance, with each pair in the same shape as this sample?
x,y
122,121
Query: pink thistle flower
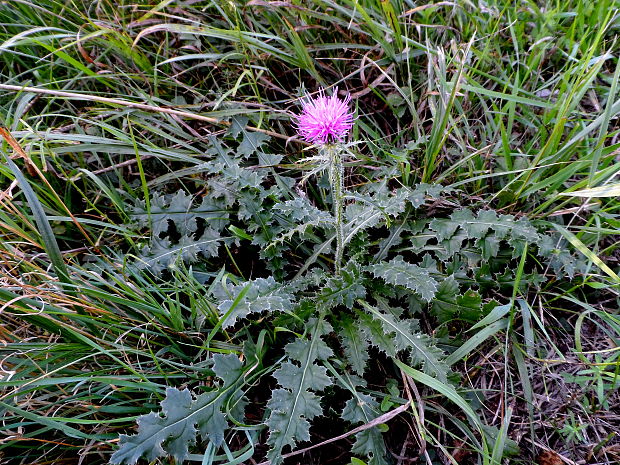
x,y
325,119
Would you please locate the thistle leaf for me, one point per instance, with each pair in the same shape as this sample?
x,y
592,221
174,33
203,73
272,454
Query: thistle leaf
x,y
257,296
303,214
300,210
180,210
371,210
159,219
363,409
355,344
449,304
237,125
162,254
376,336
560,260
444,228
293,405
251,142
417,196
406,335
345,288
479,228
370,443
398,272
173,430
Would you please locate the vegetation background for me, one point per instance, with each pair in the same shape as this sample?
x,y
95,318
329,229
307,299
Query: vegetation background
x,y
158,233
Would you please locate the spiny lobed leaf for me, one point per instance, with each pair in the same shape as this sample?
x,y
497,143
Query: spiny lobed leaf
x,y
229,170
182,417
486,230
251,141
378,203
421,192
162,253
293,405
487,221
449,303
559,258
398,272
300,210
345,288
297,215
180,210
375,334
370,210
354,343
405,335
257,296
364,408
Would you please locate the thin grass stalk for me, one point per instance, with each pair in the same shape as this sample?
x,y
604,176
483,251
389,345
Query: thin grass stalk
x,y
139,106
596,157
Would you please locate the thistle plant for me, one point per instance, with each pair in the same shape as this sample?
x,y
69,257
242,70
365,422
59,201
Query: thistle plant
x,y
325,122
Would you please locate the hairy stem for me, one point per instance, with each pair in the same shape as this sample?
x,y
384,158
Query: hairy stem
x,y
336,180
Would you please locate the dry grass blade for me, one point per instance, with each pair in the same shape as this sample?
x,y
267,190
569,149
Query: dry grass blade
x,y
139,106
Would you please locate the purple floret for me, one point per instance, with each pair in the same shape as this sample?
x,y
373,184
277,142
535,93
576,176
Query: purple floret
x,y
325,119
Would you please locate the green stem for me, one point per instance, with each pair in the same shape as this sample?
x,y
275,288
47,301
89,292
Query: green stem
x,y
336,179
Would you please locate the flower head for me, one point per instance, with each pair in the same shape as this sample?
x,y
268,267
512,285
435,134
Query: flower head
x,y
325,119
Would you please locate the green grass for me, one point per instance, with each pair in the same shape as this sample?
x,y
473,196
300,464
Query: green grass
x,y
511,106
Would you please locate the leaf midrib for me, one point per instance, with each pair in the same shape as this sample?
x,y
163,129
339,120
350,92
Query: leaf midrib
x,y
220,393
308,362
427,356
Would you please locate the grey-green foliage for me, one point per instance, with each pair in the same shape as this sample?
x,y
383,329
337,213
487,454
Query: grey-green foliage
x,y
479,236
421,265
241,184
294,404
380,206
345,288
182,210
450,303
176,232
363,408
393,333
354,343
183,417
163,253
386,330
375,207
185,227
250,141
257,296
301,216
401,273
